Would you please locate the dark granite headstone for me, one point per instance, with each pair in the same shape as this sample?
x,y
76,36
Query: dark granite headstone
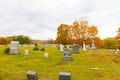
x,y
64,76
31,75
75,49
67,55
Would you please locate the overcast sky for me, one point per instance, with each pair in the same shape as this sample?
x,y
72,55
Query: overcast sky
x,y
39,19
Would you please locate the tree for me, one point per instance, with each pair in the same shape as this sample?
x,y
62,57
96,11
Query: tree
x,y
22,39
118,34
62,34
81,31
111,43
2,40
98,42
8,40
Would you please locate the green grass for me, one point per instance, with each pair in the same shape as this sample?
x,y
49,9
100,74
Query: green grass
x,y
14,67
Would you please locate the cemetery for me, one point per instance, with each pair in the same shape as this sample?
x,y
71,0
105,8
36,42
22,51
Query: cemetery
x,y
100,64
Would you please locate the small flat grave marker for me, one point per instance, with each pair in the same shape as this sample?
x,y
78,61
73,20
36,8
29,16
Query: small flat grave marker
x,y
45,54
64,76
32,75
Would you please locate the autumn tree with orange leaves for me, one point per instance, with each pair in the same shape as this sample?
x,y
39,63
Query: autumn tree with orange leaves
x,y
62,34
77,33
118,34
81,31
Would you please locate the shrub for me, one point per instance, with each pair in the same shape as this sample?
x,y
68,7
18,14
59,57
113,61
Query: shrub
x,y
35,48
42,49
7,50
70,46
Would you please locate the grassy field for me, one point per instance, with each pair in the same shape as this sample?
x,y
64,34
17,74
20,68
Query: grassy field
x,y
14,67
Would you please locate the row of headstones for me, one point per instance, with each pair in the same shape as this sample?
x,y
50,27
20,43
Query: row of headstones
x,y
75,49
32,75
67,53
14,49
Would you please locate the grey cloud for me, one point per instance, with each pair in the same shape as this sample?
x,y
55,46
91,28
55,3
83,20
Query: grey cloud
x,y
39,16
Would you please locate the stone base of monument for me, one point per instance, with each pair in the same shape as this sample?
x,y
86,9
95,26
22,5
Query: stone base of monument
x,y
77,52
31,75
93,48
14,53
67,58
64,76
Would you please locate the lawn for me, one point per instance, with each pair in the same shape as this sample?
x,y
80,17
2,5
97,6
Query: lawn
x,y
14,67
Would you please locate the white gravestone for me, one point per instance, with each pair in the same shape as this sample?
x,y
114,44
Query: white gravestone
x,y
84,48
45,54
14,47
61,48
26,52
93,45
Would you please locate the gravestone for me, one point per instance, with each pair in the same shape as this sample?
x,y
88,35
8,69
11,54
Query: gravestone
x,y
14,47
64,76
45,54
26,52
58,46
67,55
84,47
32,75
61,47
87,46
93,47
75,49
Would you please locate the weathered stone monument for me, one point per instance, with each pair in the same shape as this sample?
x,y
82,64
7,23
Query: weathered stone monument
x,y
75,49
93,47
32,75
14,47
67,55
64,76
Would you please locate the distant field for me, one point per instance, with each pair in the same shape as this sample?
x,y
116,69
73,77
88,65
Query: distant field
x,y
14,67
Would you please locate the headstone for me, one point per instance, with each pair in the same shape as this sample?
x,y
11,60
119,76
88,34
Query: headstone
x,y
45,54
64,76
93,47
58,46
26,52
67,55
84,47
32,75
87,46
75,49
61,48
14,47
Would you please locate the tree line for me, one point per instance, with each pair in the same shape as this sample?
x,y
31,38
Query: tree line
x,y
21,38
81,33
